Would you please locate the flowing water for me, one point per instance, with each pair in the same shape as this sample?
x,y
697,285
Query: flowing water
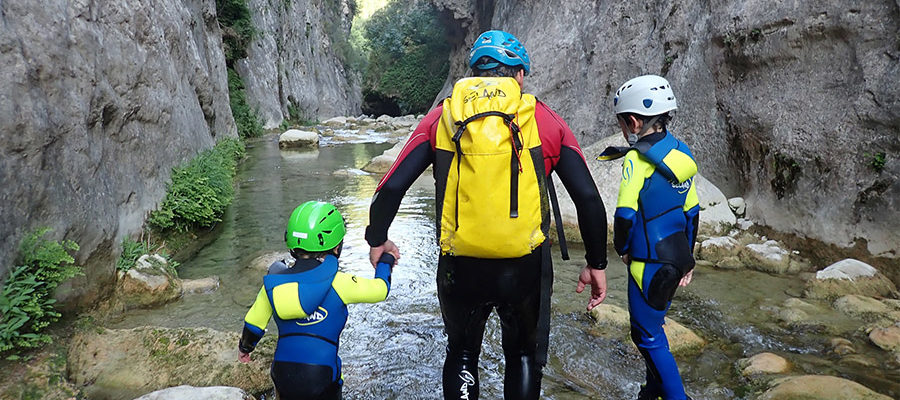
x,y
394,349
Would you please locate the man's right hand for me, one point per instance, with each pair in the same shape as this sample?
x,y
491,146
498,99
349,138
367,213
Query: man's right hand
x,y
386,247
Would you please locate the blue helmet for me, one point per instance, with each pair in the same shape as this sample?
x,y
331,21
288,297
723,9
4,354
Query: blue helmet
x,y
502,47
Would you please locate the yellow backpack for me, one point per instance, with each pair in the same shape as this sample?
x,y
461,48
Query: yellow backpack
x,y
492,195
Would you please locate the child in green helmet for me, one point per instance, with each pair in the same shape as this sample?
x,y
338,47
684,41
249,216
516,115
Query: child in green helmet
x,y
309,303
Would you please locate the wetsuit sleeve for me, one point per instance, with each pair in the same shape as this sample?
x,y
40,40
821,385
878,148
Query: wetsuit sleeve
x,y
353,289
417,154
634,172
255,322
563,155
692,213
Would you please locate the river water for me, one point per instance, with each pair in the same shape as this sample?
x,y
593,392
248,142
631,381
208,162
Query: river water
x,y
394,349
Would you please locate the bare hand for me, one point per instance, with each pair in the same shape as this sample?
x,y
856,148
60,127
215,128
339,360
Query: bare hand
x,y
686,279
386,247
596,279
243,357
626,258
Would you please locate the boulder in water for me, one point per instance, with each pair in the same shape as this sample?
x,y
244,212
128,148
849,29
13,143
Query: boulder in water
x,y
886,338
763,363
150,283
766,257
125,363
382,164
295,138
202,285
613,321
198,393
819,387
862,307
848,276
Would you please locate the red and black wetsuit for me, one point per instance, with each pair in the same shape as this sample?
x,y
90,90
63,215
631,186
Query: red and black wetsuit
x,y
470,288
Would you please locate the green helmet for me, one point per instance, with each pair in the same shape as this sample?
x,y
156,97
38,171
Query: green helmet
x,y
314,226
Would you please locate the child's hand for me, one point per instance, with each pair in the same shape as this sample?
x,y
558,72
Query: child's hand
x,y
387,247
243,357
686,279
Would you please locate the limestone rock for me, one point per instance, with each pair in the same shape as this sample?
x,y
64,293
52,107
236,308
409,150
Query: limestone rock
x,y
263,262
886,338
763,363
717,249
841,346
202,285
610,320
125,363
682,340
715,214
819,387
848,277
335,122
198,393
861,306
737,205
744,224
734,68
99,101
382,164
293,68
295,138
149,283
766,257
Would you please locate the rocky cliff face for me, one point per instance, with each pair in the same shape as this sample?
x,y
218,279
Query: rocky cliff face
x,y
99,100
787,104
294,65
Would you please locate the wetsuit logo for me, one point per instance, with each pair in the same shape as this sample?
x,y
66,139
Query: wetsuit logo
x,y
627,170
683,187
467,380
316,317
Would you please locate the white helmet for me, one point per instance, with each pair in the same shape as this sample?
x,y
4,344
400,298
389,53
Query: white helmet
x,y
645,95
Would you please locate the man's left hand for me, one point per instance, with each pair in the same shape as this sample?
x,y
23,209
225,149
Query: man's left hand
x,y
596,279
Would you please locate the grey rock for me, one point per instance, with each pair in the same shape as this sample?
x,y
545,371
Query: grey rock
x,y
202,285
737,205
773,97
297,139
767,257
198,393
149,283
100,99
293,61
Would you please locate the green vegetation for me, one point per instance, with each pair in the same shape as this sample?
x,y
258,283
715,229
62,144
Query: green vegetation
x,y
199,190
408,55
131,251
246,118
877,160
237,28
26,301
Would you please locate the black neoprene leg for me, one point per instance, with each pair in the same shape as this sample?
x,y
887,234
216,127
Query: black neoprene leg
x,y
518,319
298,381
465,316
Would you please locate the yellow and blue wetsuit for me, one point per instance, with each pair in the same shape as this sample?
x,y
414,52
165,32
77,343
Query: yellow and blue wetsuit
x,y
309,304
656,222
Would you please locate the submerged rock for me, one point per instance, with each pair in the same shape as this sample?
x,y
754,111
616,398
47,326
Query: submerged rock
x,y
861,306
151,282
763,363
295,138
819,387
382,164
198,393
848,276
613,321
263,262
886,338
124,363
202,285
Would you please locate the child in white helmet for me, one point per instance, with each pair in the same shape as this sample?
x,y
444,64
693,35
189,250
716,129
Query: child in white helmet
x,y
656,220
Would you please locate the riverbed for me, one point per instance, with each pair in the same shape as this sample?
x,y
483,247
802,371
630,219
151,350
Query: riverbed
x,y
395,349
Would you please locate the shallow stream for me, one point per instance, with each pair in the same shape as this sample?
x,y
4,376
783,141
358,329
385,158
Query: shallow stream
x,y
394,349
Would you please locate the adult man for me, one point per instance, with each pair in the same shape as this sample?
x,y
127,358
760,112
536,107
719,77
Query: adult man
x,y
493,149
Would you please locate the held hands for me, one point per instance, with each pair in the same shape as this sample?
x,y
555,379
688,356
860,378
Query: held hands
x,y
596,279
243,357
386,247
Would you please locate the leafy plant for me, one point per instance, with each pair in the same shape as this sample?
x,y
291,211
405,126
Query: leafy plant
x,y
26,301
131,251
237,28
245,117
877,161
200,190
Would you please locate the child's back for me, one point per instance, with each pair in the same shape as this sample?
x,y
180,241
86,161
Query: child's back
x,y
309,303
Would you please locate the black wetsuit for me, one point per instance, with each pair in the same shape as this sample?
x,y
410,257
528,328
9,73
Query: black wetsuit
x,y
470,288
